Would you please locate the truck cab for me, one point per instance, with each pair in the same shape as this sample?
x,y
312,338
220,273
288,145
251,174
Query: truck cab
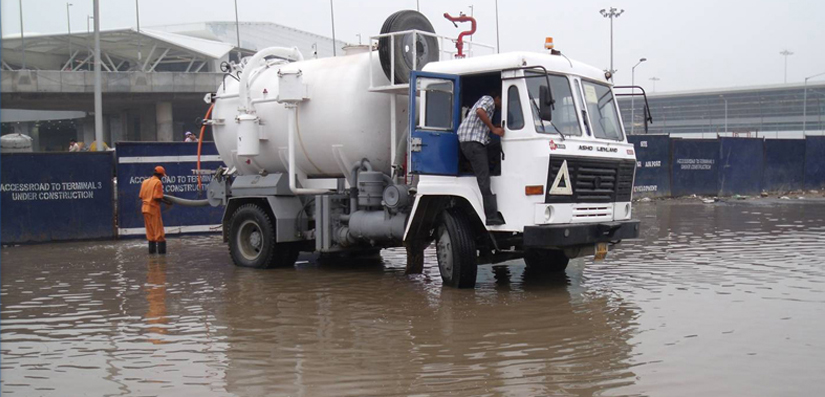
x,y
564,176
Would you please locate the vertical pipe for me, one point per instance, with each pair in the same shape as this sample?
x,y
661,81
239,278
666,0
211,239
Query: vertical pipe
x,y
69,29
498,48
393,124
22,35
633,101
137,19
238,32
392,59
804,107
332,17
98,93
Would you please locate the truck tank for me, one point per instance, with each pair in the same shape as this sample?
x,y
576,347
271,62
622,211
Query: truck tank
x,y
341,122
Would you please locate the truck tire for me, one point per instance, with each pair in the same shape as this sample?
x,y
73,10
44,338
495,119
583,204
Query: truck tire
x,y
252,240
552,261
456,250
426,46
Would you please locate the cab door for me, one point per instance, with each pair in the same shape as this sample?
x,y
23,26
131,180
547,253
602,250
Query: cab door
x,y
435,114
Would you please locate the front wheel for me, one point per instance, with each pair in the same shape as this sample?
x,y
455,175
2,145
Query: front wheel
x,y
252,240
456,250
554,261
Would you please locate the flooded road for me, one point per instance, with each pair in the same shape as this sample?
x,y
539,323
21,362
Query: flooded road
x,y
720,299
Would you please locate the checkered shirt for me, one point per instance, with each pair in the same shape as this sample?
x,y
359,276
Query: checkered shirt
x,y
472,128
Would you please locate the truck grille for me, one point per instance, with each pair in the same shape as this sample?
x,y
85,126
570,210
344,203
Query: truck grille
x,y
593,180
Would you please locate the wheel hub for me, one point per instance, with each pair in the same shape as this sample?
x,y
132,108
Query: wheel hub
x,y
250,240
444,251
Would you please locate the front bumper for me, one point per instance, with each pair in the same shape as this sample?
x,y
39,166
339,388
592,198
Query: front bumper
x,y
570,235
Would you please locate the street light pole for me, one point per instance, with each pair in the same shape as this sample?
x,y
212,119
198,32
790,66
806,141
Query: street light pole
x,y
612,13
98,85
498,48
633,98
332,17
726,111
69,28
137,20
654,80
22,35
786,53
805,102
238,32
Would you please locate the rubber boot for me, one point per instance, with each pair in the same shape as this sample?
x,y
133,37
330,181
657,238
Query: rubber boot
x,y
494,218
153,247
162,247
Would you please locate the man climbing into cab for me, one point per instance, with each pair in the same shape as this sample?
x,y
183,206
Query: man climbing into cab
x,y
151,194
474,136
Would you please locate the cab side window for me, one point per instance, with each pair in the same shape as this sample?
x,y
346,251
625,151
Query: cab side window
x,y
515,117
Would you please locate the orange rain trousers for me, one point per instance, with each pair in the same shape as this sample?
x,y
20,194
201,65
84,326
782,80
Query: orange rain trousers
x,y
154,226
151,190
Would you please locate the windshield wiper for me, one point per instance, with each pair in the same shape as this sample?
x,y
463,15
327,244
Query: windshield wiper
x,y
538,111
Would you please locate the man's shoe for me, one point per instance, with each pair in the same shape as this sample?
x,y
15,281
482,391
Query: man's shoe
x,y
495,220
494,217
153,247
162,247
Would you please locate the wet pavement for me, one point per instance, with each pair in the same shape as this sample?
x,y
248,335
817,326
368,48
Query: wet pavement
x,y
714,299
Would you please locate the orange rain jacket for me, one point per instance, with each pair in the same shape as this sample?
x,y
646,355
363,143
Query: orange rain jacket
x,y
150,191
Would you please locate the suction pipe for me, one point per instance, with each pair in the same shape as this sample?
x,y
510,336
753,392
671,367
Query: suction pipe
x,y
243,89
292,109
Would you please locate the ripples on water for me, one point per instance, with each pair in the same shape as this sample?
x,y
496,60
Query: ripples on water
x,y
721,299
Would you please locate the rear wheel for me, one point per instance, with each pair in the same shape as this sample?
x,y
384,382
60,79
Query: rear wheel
x,y
252,240
456,250
546,260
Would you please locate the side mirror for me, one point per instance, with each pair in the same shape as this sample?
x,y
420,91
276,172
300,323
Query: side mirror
x,y
545,103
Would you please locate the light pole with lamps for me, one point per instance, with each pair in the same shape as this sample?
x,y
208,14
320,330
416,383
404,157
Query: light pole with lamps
x,y
726,112
654,80
805,102
786,53
69,28
633,98
612,13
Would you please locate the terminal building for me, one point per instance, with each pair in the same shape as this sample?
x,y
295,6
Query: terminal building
x,y
153,80
775,111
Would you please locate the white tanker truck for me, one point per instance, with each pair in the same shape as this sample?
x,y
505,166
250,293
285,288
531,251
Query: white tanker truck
x,y
359,152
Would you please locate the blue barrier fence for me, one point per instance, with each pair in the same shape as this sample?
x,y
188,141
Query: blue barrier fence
x,y
727,166
695,167
815,162
741,164
652,165
56,197
136,162
784,165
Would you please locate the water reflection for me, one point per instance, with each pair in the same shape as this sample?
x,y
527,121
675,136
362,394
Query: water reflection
x,y
721,299
373,331
156,298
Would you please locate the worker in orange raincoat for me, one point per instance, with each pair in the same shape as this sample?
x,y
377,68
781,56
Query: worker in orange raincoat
x,y
151,194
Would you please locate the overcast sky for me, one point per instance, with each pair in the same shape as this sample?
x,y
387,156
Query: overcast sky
x,y
689,45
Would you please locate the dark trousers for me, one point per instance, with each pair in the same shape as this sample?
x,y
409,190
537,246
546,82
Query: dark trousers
x,y
476,153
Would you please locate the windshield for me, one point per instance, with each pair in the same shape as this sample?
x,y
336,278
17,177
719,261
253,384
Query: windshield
x,y
565,117
601,108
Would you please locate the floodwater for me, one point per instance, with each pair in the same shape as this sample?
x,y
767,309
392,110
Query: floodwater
x,y
714,299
